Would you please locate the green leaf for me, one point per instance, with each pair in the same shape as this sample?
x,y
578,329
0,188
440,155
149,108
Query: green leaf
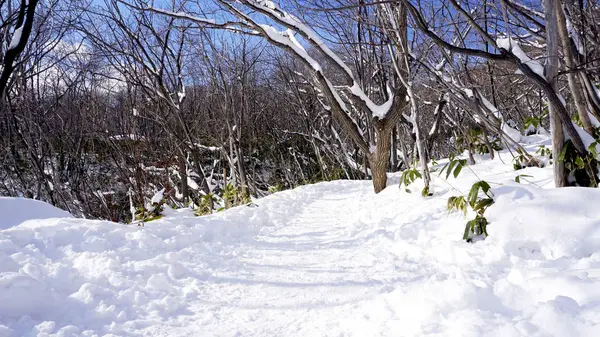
x,y
518,178
484,228
579,162
443,168
563,153
485,187
468,230
403,178
451,201
450,168
457,203
472,197
592,149
457,170
452,204
425,191
482,205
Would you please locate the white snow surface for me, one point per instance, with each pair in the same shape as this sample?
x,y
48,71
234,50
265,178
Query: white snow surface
x,y
14,211
330,259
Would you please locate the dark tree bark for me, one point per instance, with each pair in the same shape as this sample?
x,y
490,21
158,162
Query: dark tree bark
x,y
23,27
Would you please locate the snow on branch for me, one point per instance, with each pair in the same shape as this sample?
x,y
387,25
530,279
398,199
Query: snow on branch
x,y
293,24
379,111
512,46
16,38
234,26
287,38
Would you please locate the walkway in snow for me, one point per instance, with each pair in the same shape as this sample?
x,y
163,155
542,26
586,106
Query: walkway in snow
x,y
312,274
317,271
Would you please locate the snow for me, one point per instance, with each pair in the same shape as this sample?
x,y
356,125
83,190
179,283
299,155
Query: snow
x,y
513,46
378,111
208,148
491,108
575,36
267,3
158,197
330,259
14,211
292,36
183,15
511,132
130,136
586,138
288,39
594,120
181,95
16,38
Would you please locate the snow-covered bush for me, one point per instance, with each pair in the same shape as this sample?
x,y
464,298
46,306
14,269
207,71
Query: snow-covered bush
x,y
152,210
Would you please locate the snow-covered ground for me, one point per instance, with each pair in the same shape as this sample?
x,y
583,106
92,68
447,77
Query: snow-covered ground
x,y
330,259
14,211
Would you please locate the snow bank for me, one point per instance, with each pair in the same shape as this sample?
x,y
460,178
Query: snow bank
x,y
14,211
554,224
327,259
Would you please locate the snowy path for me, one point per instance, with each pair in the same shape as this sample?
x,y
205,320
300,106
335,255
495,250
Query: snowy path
x,y
308,275
344,264
330,259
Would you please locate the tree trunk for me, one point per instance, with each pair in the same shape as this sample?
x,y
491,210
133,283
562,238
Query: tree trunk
x,y
471,158
558,139
230,157
24,24
405,158
200,171
394,152
184,180
574,86
420,147
591,95
242,170
487,143
379,159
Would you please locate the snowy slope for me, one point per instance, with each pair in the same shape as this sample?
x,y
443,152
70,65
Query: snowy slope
x,y
14,211
331,259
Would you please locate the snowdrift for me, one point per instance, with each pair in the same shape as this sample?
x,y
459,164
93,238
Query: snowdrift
x,y
14,211
330,259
